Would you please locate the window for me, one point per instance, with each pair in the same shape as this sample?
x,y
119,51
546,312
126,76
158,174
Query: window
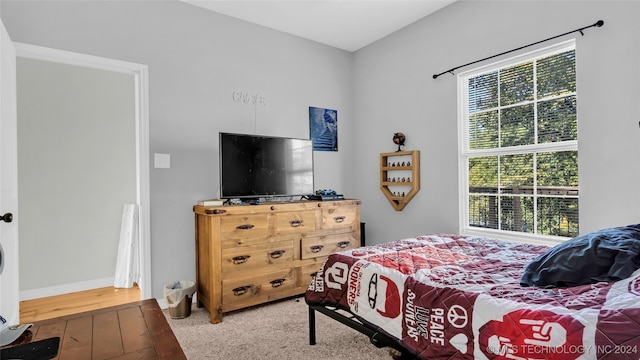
x,y
519,153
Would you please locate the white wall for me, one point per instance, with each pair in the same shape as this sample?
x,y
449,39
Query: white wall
x,y
196,60
76,170
394,91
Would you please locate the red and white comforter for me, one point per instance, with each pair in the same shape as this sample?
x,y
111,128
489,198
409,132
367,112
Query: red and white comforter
x,y
455,297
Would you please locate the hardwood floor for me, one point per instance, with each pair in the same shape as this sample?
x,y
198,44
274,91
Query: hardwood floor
x,y
77,302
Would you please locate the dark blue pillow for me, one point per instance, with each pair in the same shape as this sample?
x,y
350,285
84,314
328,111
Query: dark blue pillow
x,y
608,255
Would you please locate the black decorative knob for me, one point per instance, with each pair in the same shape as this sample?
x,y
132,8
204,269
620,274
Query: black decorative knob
x,y
8,217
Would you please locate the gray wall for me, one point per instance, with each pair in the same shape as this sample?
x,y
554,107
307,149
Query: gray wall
x,y
76,170
197,59
394,91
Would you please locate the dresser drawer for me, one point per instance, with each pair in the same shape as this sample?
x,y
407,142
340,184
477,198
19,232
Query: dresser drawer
x,y
251,290
340,217
313,247
244,226
242,259
308,273
295,222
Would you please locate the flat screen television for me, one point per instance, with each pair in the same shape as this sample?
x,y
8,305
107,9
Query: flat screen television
x,y
259,166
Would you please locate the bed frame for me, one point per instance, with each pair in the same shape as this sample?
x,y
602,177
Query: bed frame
x,y
377,338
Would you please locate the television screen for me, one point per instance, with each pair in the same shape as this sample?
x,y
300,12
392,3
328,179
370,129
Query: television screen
x,y
254,166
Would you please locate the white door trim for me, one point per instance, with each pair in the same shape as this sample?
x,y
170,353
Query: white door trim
x,y
140,73
9,280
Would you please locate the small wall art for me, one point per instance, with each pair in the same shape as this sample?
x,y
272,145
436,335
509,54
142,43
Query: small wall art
x,y
323,129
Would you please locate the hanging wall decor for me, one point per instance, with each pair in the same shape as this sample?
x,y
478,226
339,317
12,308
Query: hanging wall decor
x,y
323,129
400,176
399,139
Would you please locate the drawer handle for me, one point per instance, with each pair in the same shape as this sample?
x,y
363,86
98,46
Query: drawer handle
x,y
343,244
338,219
277,282
240,259
214,211
316,248
295,223
245,227
241,290
276,254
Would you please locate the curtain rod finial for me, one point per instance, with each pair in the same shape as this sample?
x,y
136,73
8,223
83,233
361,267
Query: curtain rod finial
x,y
599,23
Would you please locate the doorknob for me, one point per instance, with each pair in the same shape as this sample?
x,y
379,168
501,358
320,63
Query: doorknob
x,y
8,217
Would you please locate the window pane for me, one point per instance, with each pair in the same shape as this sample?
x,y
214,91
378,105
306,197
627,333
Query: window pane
x,y
483,211
483,174
516,174
517,126
558,171
483,92
557,120
523,120
558,216
557,74
516,213
516,84
483,131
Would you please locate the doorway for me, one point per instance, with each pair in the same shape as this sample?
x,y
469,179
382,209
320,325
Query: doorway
x,y
80,138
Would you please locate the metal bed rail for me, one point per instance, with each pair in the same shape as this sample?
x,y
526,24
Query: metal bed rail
x,y
377,338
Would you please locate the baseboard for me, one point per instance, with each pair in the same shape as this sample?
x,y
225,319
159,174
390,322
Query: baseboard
x,y
162,303
65,288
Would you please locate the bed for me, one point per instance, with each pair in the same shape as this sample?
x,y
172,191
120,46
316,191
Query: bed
x,y
446,296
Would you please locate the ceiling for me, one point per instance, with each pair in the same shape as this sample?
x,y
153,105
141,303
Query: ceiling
x,y
344,24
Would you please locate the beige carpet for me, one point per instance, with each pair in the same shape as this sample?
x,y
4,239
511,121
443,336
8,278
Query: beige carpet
x,y
278,330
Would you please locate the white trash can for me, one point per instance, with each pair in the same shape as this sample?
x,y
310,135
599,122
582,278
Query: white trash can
x,y
178,295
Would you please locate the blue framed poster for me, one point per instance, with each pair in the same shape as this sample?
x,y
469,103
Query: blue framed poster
x,y
323,129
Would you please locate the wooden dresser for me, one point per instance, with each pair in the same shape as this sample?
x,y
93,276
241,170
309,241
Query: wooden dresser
x,y
251,254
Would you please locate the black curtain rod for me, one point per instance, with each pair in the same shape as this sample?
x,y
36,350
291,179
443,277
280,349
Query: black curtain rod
x,y
599,23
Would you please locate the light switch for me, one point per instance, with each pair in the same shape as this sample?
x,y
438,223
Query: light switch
x,y
161,161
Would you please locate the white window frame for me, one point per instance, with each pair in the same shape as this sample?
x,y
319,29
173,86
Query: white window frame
x,y
463,173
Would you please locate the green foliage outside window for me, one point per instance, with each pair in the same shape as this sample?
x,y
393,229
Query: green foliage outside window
x,y
514,113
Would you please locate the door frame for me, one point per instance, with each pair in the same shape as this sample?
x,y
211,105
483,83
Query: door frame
x,y
9,281
141,81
